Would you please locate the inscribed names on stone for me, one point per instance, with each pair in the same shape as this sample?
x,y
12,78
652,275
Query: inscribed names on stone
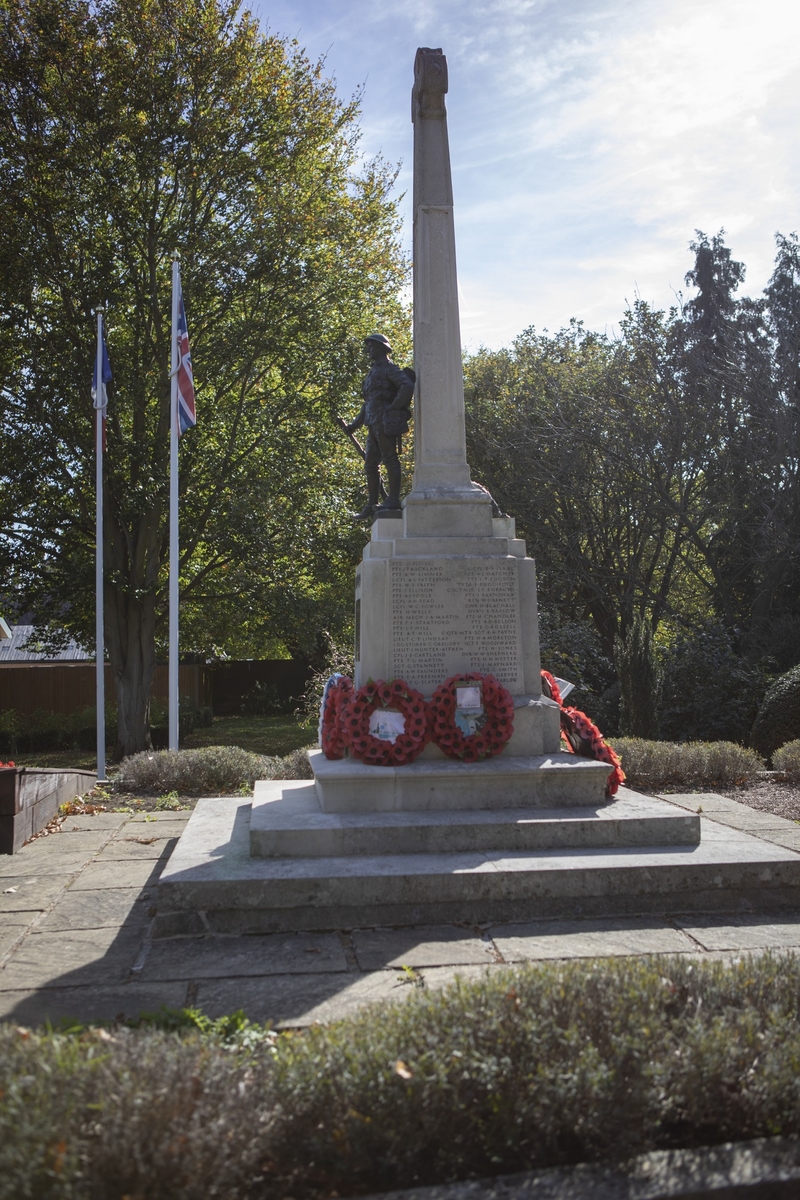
x,y
452,615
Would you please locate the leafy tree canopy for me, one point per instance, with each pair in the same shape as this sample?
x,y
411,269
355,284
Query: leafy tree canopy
x,y
130,129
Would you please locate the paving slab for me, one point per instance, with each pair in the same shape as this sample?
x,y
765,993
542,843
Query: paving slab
x,y
298,1000
44,864
84,841
31,893
9,934
83,822
100,909
136,874
434,978
430,946
744,932
588,939
148,818
223,957
160,829
136,846
80,957
87,1004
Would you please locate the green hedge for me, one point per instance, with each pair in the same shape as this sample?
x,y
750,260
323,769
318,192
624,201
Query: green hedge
x,y
652,765
545,1065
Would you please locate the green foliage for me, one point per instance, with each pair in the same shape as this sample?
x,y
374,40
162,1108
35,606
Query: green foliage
x,y
657,473
545,1065
264,700
708,691
130,129
191,716
44,731
778,720
640,681
339,660
270,736
571,650
206,772
211,771
786,759
652,765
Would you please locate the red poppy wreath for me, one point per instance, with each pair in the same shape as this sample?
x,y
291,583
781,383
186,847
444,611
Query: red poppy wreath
x,y
491,737
394,697
583,737
338,691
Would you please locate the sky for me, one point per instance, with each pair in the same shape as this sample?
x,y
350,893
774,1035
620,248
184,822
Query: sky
x,y
589,139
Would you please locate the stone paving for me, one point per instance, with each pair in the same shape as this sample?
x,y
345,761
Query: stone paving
x,y
77,909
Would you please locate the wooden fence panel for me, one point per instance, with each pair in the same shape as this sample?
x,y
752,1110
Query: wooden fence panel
x,y
68,687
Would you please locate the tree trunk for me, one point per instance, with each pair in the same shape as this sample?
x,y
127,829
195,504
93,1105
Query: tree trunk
x,y
130,634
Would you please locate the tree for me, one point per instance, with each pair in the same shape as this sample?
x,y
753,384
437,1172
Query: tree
x,y
591,445
128,129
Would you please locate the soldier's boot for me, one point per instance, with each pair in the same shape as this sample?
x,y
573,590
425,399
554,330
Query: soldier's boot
x,y
373,491
393,476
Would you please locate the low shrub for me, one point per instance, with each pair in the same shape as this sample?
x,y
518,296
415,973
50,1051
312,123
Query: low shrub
x,y
210,771
778,720
686,764
536,1067
291,766
206,772
787,760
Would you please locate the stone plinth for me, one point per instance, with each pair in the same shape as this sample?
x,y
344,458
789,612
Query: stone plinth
x,y
287,821
546,780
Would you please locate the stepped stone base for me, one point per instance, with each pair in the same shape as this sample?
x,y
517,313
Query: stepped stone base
x,y
287,822
547,780
212,882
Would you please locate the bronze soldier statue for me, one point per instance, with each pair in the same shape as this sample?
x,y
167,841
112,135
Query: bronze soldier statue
x,y
387,392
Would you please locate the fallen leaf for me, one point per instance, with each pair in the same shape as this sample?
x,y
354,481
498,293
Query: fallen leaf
x,y
402,1070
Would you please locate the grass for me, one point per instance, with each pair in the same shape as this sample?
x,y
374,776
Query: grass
x,y
261,735
539,1066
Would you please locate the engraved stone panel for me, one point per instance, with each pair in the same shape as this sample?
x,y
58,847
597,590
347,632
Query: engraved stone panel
x,y
449,615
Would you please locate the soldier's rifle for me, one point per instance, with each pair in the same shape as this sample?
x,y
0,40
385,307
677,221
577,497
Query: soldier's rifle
x,y
343,425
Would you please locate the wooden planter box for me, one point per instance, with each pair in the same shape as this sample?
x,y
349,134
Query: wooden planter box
x,y
31,796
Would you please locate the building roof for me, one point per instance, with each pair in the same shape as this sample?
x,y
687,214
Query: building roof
x,y
11,649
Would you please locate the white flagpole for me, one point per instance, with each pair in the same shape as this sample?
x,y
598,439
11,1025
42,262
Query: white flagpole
x,y
99,629
173,518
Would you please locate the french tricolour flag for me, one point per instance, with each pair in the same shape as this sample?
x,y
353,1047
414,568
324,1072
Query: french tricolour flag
x,y
187,414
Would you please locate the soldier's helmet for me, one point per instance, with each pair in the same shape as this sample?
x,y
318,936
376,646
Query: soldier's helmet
x,y
380,339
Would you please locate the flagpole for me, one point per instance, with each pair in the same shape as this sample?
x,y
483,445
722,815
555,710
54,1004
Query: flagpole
x,y
173,517
100,666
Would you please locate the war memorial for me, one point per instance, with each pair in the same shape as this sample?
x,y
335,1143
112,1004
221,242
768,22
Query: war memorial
x,y
513,827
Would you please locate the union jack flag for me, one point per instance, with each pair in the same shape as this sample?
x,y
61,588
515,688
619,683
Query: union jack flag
x,y
187,415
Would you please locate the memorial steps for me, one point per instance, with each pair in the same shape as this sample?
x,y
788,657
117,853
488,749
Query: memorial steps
x,y
282,864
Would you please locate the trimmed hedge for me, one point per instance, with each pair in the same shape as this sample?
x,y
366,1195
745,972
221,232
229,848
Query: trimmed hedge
x,y
545,1065
787,760
778,720
686,764
213,770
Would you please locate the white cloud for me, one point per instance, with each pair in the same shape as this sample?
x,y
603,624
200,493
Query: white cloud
x,y
589,138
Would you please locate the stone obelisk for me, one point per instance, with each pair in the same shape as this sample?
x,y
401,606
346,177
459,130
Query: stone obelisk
x,y
449,589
